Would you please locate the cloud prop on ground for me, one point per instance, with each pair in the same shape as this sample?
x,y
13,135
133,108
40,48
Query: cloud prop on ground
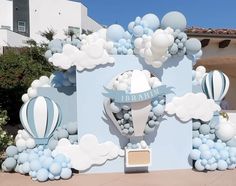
x,y
191,105
88,152
93,52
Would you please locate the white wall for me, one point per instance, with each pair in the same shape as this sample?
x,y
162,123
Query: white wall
x,y
6,13
10,38
56,14
88,23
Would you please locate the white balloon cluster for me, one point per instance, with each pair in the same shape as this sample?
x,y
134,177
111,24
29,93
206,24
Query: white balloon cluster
x,y
154,49
123,81
226,130
198,75
24,141
141,145
43,81
94,51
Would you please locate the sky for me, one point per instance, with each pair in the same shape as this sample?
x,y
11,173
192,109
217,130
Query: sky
x,y
201,13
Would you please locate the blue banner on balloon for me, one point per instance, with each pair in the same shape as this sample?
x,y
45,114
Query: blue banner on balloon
x,y
123,97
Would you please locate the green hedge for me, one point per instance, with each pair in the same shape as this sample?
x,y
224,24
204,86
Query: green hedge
x,y
18,68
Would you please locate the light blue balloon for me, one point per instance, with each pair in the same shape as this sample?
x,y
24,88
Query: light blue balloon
x,y
10,163
66,173
62,133
32,156
138,31
196,125
131,26
122,42
138,20
210,143
52,144
193,46
175,20
26,167
127,35
11,151
33,174
55,168
48,54
55,43
158,110
115,32
47,162
60,158
42,175
203,147
173,49
206,155
212,160
197,142
204,129
151,21
224,154
151,123
199,166
47,152
195,154
35,165
23,157
72,128
148,129
222,165
195,133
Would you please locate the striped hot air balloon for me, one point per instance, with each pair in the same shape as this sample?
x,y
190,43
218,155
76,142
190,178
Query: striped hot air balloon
x,y
40,116
215,85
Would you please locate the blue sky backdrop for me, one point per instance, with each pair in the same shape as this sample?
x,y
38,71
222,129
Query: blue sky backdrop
x,y
202,13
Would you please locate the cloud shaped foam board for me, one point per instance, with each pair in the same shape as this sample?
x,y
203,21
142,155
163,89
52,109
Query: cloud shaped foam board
x,y
92,53
191,105
88,152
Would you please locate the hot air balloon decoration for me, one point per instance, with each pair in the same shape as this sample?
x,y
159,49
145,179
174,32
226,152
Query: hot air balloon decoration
x,y
135,102
40,116
215,85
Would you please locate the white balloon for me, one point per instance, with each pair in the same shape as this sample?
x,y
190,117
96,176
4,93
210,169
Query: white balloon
x,y
138,43
44,80
122,86
36,83
25,135
225,131
32,92
25,98
201,69
20,143
30,143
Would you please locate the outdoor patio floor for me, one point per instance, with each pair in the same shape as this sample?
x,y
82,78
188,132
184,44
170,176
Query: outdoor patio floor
x,y
169,178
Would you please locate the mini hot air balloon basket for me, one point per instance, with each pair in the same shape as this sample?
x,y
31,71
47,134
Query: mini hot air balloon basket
x,y
138,157
40,116
135,114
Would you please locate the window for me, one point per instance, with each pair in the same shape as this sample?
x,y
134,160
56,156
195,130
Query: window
x,y
21,26
75,30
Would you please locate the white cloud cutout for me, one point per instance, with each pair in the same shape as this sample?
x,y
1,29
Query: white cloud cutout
x,y
92,53
191,105
154,49
88,152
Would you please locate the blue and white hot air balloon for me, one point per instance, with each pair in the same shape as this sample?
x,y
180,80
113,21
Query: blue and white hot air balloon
x,y
215,85
40,116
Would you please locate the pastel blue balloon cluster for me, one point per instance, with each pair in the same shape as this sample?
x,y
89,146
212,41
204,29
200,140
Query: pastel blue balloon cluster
x,y
203,128
139,27
38,163
56,46
209,152
123,115
178,48
121,40
68,131
212,155
64,79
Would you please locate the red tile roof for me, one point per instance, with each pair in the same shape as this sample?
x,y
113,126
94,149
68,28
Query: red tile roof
x,y
211,32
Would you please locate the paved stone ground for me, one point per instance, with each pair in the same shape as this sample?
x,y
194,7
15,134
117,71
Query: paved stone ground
x,y
162,178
